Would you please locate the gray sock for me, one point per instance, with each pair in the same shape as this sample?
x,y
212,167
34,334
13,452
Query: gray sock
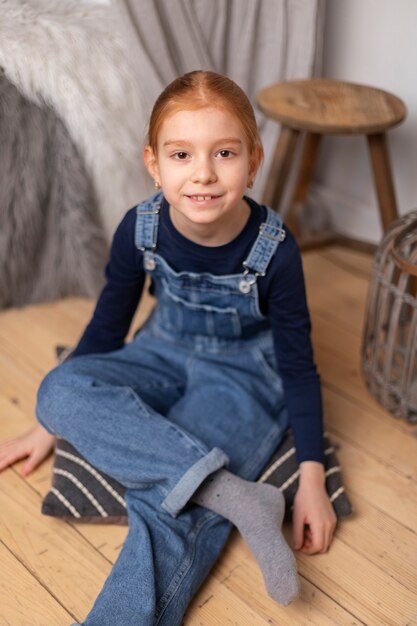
x,y
257,510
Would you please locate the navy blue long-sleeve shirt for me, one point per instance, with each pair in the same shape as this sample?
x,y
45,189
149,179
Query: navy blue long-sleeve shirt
x,y
281,297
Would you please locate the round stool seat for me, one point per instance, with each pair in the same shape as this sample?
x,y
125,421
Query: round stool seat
x,y
311,109
331,106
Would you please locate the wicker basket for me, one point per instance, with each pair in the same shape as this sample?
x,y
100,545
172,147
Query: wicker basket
x,y
389,347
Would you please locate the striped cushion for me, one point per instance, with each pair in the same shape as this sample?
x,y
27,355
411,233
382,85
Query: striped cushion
x,y
82,492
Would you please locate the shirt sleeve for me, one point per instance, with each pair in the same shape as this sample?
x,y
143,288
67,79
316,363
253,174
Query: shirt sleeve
x,y
291,328
120,296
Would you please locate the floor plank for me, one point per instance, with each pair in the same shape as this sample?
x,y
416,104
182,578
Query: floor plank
x,y
32,605
64,562
381,539
388,491
238,571
373,433
337,352
370,592
336,293
354,261
217,604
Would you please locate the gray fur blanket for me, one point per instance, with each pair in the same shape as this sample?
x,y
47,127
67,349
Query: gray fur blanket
x,y
51,241
71,128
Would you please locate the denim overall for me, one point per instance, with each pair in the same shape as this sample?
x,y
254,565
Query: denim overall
x,y
196,390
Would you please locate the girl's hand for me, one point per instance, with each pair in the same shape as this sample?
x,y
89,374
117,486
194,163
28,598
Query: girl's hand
x,y
36,444
314,519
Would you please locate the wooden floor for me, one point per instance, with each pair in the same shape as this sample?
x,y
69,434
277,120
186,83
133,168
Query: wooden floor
x,y
51,570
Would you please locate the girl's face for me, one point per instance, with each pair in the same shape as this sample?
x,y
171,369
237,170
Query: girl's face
x,y
204,166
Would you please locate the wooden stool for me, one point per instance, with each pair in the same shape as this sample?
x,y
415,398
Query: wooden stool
x,y
317,107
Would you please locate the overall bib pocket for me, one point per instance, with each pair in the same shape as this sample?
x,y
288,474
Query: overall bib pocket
x,y
196,318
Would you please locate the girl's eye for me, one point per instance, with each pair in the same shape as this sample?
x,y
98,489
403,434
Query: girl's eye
x,y
225,154
180,156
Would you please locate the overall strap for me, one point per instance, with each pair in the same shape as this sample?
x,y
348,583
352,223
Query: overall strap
x,y
271,234
147,221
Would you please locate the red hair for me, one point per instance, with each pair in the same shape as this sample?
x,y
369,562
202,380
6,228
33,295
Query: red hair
x,y
200,89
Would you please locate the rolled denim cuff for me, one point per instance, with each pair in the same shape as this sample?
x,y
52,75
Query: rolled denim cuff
x,y
192,479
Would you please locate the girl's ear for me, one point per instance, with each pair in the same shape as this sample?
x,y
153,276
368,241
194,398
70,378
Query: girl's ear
x,y
151,163
255,161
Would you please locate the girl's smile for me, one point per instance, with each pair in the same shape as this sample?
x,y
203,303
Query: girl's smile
x,y
202,199
203,165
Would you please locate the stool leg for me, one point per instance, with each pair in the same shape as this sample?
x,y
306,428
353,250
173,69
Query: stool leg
x,y
378,149
305,175
280,167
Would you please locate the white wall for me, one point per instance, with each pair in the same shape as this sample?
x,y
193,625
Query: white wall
x,y
372,42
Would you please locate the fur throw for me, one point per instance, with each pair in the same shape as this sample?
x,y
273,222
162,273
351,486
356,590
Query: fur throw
x,y
71,56
51,242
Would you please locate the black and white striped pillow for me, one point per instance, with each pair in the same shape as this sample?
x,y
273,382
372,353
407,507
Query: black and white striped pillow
x,y
80,491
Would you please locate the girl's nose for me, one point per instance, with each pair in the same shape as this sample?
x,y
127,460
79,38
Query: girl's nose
x,y
204,172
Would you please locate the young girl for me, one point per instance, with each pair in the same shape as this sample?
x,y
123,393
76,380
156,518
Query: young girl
x,y
211,382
